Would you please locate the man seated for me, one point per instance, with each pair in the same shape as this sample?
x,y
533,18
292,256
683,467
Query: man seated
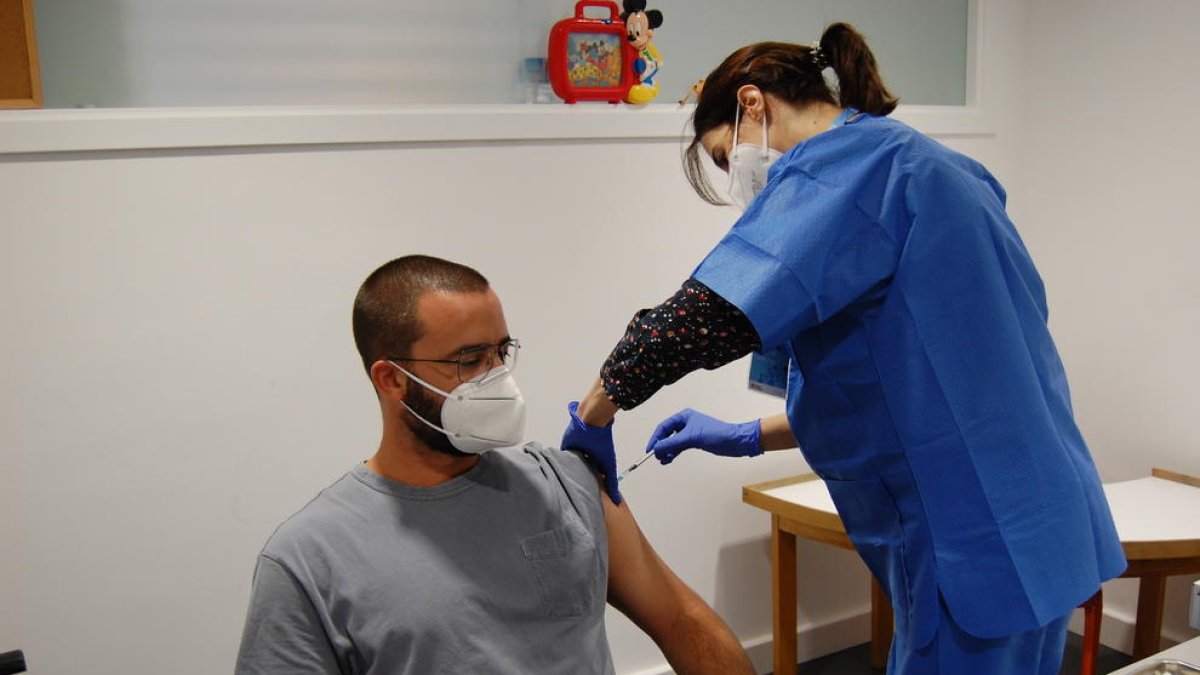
x,y
450,550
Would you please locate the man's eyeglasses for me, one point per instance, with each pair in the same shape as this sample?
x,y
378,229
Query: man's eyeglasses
x,y
474,363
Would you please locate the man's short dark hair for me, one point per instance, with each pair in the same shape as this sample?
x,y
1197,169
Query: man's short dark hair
x,y
385,310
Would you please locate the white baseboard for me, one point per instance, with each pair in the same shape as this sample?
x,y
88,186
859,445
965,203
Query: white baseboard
x,y
812,641
815,641
1116,629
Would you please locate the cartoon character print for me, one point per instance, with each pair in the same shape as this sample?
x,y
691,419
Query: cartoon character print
x,y
639,26
594,63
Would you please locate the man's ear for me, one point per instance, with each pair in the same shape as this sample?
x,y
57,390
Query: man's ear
x,y
388,380
754,104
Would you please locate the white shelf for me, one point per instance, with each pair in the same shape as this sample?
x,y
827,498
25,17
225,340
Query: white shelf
x,y
101,129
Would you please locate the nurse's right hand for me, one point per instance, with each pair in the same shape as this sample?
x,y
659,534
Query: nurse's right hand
x,y
690,429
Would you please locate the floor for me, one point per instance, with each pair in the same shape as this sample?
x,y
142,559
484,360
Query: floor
x,y
857,661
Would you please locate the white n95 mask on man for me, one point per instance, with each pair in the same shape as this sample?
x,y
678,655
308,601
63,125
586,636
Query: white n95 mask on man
x,y
479,416
748,165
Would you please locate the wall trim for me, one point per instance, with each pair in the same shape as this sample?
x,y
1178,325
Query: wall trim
x,y
812,641
816,640
107,129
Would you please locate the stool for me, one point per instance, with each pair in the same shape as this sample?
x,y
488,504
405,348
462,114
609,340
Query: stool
x,y
1093,609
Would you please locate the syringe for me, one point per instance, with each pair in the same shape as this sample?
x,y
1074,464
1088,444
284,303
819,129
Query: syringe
x,y
634,466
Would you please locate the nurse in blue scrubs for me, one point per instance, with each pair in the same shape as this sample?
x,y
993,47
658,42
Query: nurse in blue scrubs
x,y
923,386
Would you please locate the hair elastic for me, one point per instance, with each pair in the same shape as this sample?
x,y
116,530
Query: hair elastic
x,y
817,55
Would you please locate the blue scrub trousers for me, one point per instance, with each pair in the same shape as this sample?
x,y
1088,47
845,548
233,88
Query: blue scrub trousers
x,y
955,652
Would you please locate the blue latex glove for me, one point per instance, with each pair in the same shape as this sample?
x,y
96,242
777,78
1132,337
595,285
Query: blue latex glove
x,y
597,444
690,429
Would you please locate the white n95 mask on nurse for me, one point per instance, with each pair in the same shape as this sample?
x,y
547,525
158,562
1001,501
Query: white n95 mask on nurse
x,y
748,165
479,416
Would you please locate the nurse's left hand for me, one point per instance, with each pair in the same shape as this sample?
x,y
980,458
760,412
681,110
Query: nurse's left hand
x,y
690,429
597,444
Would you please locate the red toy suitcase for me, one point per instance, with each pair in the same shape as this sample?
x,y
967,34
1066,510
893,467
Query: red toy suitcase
x,y
589,58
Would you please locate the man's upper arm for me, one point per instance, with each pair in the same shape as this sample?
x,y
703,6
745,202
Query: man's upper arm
x,y
283,633
639,583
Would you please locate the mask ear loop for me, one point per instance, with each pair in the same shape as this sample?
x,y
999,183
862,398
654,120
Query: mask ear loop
x,y
496,373
450,434
429,386
444,394
766,149
493,374
737,122
428,423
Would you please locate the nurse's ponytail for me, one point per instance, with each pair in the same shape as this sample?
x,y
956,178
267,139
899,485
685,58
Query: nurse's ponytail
x,y
794,73
859,83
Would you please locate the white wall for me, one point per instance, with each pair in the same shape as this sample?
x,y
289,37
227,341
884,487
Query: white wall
x,y
179,374
123,53
1108,178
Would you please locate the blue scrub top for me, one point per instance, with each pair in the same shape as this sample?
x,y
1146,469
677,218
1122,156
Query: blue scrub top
x,y
927,391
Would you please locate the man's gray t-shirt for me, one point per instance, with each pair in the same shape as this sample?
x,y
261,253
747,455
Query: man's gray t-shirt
x,y
503,569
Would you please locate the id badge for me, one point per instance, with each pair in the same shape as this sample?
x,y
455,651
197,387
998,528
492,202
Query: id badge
x,y
769,372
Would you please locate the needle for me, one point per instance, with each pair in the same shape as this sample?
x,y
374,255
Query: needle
x,y
634,466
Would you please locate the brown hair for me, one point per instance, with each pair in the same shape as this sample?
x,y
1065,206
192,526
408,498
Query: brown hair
x,y
385,317
793,73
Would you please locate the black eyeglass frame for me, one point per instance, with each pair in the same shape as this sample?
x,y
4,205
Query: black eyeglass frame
x,y
501,354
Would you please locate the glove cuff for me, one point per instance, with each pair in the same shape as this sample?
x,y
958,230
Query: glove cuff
x,y
751,435
572,409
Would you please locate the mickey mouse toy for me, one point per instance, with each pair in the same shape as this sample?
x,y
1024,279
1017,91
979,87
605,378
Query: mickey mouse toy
x,y
640,24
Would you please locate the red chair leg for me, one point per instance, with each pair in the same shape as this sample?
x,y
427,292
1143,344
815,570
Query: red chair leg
x,y
1093,609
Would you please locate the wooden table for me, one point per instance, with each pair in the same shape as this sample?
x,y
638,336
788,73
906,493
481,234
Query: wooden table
x,y
1155,517
800,506
1158,519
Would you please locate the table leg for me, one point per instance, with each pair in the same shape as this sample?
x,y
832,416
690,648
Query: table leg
x,y
1148,629
783,597
881,625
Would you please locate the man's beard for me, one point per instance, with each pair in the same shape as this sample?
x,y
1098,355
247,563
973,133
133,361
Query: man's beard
x,y
429,407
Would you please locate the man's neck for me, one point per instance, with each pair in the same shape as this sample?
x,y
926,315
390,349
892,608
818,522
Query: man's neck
x,y
419,466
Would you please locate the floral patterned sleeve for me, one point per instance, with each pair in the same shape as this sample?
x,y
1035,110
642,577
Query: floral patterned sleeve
x,y
693,329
